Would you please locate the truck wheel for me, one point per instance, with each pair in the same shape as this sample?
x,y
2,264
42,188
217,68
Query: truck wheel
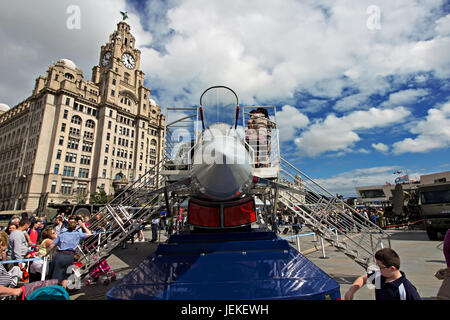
x,y
432,234
83,212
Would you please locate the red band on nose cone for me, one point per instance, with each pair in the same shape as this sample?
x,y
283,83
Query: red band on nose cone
x,y
239,215
203,216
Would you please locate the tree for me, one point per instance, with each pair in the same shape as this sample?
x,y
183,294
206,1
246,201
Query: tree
x,y
100,197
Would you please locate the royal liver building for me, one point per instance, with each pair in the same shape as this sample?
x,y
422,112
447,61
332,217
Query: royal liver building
x,y
72,137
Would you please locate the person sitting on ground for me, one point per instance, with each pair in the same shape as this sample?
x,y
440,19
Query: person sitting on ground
x,y
390,283
66,242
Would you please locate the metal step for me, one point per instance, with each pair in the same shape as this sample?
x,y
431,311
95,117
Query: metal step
x,y
330,217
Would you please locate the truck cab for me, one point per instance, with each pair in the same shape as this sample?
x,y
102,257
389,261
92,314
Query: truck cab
x,y
434,202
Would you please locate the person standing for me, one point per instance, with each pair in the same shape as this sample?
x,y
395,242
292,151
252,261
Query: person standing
x,y
18,243
66,242
390,283
444,274
155,223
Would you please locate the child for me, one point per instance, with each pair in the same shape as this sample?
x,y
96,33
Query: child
x,y
390,283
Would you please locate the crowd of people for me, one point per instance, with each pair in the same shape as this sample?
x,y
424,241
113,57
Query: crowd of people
x,y
27,240
31,237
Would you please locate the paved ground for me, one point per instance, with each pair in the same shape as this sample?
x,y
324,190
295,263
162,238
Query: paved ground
x,y
420,259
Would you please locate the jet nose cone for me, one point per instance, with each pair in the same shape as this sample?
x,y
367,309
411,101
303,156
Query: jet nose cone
x,y
222,167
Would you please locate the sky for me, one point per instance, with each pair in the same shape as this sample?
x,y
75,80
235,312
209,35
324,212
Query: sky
x,y
361,87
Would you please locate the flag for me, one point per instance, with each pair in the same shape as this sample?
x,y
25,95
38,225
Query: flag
x,y
401,179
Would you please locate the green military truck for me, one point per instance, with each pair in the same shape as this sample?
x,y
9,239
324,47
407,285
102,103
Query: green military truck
x,y
434,202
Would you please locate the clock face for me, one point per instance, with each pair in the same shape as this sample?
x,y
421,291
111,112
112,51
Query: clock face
x,y
128,61
106,58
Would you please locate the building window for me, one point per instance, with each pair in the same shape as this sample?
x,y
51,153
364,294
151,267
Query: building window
x,y
107,148
53,187
71,157
90,124
74,131
63,127
66,187
114,82
56,170
68,171
68,101
83,173
61,140
109,124
66,113
104,173
72,143
110,113
87,146
85,159
58,154
113,93
76,120
108,136
105,161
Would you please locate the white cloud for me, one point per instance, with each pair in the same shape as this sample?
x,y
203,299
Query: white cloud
x,y
443,25
354,101
431,133
339,134
34,34
404,97
344,183
289,120
381,147
272,49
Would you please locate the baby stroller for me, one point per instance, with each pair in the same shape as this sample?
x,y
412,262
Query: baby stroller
x,y
100,269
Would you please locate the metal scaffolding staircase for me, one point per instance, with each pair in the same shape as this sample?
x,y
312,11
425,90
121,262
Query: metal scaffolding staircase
x,y
330,217
122,217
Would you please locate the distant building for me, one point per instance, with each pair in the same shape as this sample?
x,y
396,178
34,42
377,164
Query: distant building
x,y
72,137
435,178
382,194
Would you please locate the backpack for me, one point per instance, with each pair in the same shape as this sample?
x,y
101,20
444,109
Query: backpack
x,y
54,292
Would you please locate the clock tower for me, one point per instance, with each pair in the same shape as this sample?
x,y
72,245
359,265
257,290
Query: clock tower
x,y
118,76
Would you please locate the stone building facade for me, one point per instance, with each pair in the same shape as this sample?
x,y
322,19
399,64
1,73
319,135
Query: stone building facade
x,y
72,137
